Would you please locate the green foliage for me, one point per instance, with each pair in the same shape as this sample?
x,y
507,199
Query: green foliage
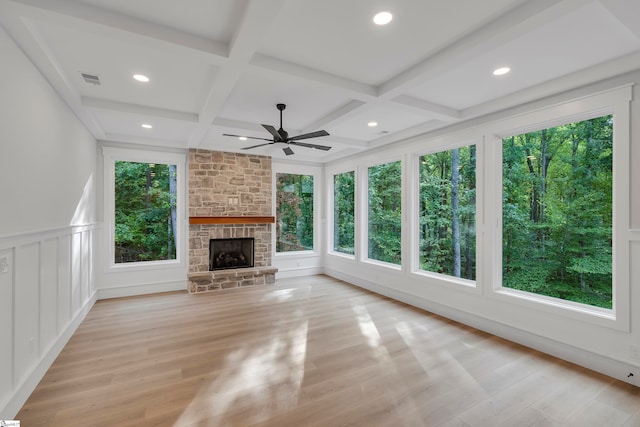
x,y
447,212
557,212
144,201
294,212
385,220
344,212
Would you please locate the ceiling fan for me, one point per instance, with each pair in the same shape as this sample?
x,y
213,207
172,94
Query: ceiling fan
x,y
281,136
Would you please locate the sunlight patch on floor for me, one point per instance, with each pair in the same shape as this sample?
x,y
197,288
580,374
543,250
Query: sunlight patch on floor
x,y
279,295
256,382
370,332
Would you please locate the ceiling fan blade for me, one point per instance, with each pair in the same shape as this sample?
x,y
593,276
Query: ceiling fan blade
x,y
288,151
273,132
248,137
316,146
281,136
256,146
315,134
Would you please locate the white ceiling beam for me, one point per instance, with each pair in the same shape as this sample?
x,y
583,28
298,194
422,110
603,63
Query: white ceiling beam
x,y
336,116
363,95
151,142
105,104
258,16
625,11
351,88
435,111
87,18
237,124
525,17
345,142
530,15
338,155
599,72
405,134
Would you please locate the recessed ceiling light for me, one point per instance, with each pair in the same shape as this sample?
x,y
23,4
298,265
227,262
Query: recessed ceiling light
x,y
147,126
372,124
501,71
242,138
382,18
141,78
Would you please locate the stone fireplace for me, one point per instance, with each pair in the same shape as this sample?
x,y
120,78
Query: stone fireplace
x,y
230,199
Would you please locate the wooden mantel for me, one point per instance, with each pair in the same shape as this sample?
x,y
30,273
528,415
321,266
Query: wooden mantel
x,y
231,220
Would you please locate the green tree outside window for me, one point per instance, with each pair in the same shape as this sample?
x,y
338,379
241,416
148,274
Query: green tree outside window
x,y
294,212
385,212
557,212
447,212
145,212
344,212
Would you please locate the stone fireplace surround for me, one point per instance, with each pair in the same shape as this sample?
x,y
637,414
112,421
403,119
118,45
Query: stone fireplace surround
x,y
229,197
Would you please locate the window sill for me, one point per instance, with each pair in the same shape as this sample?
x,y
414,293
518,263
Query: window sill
x,y
582,312
445,280
145,266
297,254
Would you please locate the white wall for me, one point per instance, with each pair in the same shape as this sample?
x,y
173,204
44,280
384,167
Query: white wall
x,y
601,341
47,225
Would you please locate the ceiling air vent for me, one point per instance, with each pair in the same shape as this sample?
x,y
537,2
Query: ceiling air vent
x,y
91,79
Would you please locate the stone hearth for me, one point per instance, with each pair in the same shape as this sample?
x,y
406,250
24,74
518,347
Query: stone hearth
x,y
226,191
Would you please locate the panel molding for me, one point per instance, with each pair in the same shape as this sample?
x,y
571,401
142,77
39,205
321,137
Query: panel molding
x,y
48,282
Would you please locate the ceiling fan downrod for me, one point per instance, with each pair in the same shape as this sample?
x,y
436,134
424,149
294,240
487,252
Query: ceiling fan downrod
x,y
284,134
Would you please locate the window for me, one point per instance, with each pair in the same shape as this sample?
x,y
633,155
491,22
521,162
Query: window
x,y
145,212
385,185
144,201
447,212
557,212
343,212
294,212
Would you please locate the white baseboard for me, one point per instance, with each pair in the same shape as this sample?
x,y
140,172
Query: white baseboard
x,y
142,289
298,272
609,366
24,390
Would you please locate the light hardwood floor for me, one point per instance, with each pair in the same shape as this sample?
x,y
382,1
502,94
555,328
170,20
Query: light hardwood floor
x,y
308,352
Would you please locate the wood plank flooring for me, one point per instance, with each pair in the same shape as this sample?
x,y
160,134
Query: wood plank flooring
x,y
308,352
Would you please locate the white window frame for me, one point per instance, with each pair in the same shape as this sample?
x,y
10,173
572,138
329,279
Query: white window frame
x,y
364,214
438,147
298,170
331,214
617,103
111,156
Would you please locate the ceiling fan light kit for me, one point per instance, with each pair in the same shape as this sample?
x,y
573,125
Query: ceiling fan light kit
x,y
282,136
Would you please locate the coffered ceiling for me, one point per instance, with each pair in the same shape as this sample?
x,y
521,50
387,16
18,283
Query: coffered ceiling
x,y
221,66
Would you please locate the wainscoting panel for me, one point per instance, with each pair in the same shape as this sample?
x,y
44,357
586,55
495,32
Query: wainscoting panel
x,y
76,272
27,309
6,319
64,278
46,289
48,292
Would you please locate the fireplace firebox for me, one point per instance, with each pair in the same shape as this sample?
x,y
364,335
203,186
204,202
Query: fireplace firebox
x,y
225,254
